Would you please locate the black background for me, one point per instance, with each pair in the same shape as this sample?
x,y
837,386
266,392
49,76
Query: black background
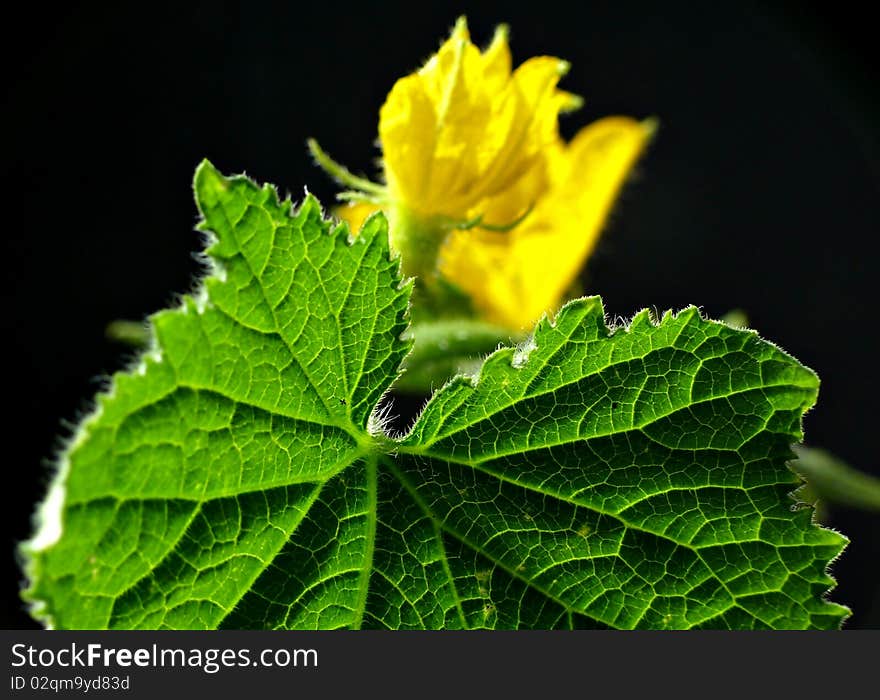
x,y
761,190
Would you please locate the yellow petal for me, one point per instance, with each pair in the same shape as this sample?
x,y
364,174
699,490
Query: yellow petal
x,y
407,129
497,61
354,214
464,129
534,129
515,277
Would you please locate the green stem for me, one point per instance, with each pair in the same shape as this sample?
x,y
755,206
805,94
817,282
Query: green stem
x,y
835,481
459,336
418,240
447,347
343,175
134,333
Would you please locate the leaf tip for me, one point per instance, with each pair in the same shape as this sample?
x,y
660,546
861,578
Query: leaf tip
x,y
588,311
643,319
208,178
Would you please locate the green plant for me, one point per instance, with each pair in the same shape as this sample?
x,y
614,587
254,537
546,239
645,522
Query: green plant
x,y
240,475
566,473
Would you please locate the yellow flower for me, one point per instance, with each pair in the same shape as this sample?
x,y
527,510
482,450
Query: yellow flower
x,y
514,277
482,191
463,132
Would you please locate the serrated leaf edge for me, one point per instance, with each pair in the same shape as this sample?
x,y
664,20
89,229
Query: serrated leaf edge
x,y
47,521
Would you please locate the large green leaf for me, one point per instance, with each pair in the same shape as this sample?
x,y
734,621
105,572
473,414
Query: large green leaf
x,y
634,478
240,476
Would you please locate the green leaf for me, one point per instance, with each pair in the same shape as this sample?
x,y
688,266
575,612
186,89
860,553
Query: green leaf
x,y
241,441
240,476
630,478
